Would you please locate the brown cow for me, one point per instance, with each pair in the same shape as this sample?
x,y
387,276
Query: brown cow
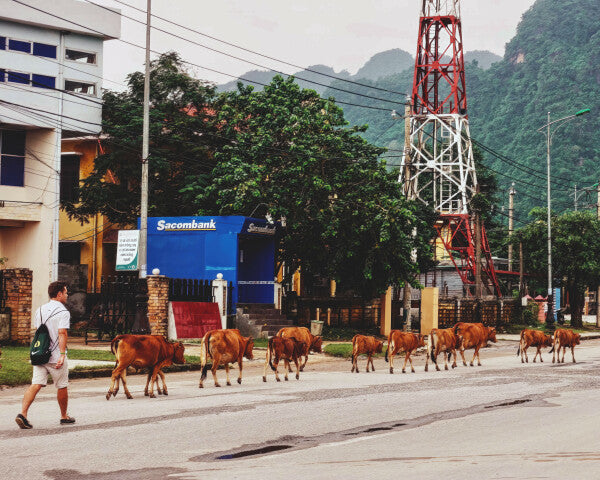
x,y
564,338
367,345
442,340
143,351
286,349
473,335
311,342
533,338
224,347
399,341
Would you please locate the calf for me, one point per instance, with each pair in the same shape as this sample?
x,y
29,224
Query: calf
x,y
367,345
143,351
473,335
399,341
224,347
533,338
442,340
310,342
564,338
286,349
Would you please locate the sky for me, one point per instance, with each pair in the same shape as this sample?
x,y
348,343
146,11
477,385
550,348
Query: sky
x,y
343,34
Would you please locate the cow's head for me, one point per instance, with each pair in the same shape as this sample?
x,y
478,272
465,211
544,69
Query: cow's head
x,y
547,340
178,350
492,334
577,338
315,344
421,342
379,347
248,353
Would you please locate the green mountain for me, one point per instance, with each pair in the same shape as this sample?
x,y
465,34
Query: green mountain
x,y
384,64
551,65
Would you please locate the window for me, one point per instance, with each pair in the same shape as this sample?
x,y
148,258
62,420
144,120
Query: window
x,y
2,43
2,75
18,77
69,253
44,50
80,87
43,81
69,178
81,57
12,158
19,46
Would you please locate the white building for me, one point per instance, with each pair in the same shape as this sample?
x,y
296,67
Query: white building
x,y
51,57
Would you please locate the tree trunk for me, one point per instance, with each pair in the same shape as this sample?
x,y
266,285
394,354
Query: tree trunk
x,y
576,307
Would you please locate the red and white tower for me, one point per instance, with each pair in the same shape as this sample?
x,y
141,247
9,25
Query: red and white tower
x,y
438,166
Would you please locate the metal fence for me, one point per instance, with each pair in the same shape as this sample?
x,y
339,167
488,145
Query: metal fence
x,y
190,290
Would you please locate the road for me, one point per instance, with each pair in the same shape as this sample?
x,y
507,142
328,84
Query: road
x,y
502,420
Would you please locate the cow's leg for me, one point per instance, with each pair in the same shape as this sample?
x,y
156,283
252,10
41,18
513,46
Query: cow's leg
x,y
369,359
295,359
118,379
354,364
215,366
435,355
537,352
164,385
286,368
407,354
266,365
445,354
573,353
475,355
148,377
124,379
305,358
153,380
540,349
241,366
372,365
391,358
228,383
524,351
276,365
563,355
412,369
113,379
462,354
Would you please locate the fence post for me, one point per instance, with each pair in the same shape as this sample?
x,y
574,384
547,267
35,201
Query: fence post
x,y
18,298
158,304
429,309
220,296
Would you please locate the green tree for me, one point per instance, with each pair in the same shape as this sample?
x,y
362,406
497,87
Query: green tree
x,y
183,137
346,218
575,253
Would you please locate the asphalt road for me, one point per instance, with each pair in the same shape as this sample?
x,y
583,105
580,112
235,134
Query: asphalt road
x,y
502,420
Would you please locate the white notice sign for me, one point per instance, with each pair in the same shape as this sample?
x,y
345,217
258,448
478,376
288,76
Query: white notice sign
x,y
127,250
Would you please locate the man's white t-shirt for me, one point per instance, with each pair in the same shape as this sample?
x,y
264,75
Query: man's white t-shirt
x,y
56,316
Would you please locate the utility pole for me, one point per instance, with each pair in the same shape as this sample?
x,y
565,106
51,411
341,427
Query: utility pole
x,y
521,285
143,249
409,193
598,290
511,206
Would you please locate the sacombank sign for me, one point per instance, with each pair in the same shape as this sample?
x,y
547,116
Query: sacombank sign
x,y
165,226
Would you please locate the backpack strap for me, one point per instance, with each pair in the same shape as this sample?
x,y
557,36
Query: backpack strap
x,y
55,343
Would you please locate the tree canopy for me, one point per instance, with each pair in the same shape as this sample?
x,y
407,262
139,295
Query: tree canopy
x,y
183,137
293,155
575,253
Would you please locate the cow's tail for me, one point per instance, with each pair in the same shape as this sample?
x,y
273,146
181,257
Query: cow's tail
x,y
520,343
554,345
270,353
204,354
432,342
390,346
354,348
114,345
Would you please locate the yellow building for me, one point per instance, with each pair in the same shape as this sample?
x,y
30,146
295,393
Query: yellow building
x,y
88,251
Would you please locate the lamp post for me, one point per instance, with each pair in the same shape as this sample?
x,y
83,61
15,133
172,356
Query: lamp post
x,y
546,131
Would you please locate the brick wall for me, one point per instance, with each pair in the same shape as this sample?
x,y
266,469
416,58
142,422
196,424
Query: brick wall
x,y
158,301
18,299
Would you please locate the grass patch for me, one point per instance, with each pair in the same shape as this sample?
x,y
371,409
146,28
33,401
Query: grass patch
x,y
344,350
516,329
345,334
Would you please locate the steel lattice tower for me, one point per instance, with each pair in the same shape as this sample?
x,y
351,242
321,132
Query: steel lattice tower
x,y
437,166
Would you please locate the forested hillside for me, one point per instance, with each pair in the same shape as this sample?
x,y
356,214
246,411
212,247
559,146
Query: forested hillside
x,y
551,65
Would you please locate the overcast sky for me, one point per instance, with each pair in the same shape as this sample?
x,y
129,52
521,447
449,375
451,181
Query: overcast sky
x,y
343,34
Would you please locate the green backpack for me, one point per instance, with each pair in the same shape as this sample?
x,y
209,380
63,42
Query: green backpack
x,y
41,345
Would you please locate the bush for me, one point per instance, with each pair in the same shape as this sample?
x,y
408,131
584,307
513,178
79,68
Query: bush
x,y
530,314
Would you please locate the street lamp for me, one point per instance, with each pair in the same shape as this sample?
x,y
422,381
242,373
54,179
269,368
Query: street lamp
x,y
546,131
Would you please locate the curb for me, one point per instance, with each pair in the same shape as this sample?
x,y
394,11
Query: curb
x,y
107,372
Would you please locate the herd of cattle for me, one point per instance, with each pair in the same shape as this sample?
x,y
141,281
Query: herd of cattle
x,y
290,344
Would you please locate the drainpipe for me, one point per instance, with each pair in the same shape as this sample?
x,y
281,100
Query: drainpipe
x,y
94,252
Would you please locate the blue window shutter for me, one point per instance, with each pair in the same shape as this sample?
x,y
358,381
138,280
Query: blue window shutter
x,y
19,46
44,50
18,77
2,75
43,81
2,43
12,171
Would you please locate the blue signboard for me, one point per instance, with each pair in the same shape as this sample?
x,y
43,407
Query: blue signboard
x,y
241,248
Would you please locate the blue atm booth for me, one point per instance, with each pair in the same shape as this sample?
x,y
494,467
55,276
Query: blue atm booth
x,y
241,248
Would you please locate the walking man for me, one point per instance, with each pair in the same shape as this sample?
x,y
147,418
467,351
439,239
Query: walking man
x,y
57,318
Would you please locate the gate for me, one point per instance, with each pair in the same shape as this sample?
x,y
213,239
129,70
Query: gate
x,y
121,307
